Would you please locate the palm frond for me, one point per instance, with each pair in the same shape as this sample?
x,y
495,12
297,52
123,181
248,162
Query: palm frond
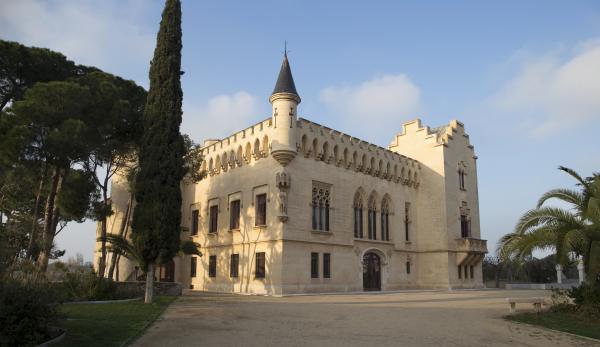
x,y
567,195
122,246
545,215
575,175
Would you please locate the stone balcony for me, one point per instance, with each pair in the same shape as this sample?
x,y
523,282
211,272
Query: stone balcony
x,y
470,251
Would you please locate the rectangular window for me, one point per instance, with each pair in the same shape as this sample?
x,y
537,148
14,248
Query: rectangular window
x,y
466,273
472,271
459,272
234,265
408,267
194,226
314,265
407,221
213,218
261,210
464,227
260,265
326,265
234,215
193,265
212,266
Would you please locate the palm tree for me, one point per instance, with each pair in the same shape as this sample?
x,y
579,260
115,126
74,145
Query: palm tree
x,y
566,231
122,246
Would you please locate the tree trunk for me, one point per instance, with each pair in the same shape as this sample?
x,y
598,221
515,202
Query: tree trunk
x,y
593,272
103,226
149,284
124,225
48,233
497,276
117,268
34,215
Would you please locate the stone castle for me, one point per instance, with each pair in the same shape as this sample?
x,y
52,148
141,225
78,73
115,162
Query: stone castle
x,y
290,206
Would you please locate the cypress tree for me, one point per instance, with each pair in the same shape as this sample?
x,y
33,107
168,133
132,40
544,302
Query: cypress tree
x,y
157,215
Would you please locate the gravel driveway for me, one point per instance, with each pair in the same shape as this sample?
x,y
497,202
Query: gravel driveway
x,y
413,318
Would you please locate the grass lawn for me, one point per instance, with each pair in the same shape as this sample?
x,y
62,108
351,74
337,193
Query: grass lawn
x,y
562,321
109,324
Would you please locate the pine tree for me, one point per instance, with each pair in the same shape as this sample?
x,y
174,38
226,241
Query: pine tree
x,y
157,215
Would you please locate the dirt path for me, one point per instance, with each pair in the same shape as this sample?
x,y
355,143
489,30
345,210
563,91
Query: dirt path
x,y
458,318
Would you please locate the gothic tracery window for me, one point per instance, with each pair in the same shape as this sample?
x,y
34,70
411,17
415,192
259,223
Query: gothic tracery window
x,y
321,200
372,218
407,220
358,216
385,219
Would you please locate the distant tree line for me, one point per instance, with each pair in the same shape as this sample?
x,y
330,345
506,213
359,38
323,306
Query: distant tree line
x,y
498,271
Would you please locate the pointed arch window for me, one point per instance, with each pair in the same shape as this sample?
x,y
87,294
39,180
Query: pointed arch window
x,y
407,220
372,218
385,219
461,176
358,216
321,196
465,221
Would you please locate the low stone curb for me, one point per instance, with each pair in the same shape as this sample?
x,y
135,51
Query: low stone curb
x,y
54,340
556,331
102,301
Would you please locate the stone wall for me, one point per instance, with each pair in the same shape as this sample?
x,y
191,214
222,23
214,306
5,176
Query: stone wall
x,y
160,288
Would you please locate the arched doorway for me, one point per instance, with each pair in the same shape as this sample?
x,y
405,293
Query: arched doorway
x,y
371,272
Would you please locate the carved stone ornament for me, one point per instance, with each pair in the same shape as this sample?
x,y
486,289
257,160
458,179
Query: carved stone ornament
x,y
283,182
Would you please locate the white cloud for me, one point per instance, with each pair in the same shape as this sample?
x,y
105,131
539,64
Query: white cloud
x,y
550,92
384,100
109,35
221,116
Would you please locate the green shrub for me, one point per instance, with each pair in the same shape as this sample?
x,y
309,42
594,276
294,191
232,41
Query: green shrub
x,y
584,300
587,299
86,286
28,309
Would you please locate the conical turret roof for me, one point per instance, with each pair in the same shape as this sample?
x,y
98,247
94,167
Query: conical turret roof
x,y
285,81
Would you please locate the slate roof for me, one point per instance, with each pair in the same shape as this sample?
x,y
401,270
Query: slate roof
x,y
285,81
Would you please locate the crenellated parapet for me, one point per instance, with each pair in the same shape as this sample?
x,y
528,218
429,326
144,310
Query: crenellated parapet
x,y
241,148
333,147
443,135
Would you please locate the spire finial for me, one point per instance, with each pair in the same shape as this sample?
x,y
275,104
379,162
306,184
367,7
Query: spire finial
x,y
285,48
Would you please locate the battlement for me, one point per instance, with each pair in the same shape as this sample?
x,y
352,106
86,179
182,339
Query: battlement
x,y
345,151
441,136
241,147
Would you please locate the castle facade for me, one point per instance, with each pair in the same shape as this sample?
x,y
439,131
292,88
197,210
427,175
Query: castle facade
x,y
290,206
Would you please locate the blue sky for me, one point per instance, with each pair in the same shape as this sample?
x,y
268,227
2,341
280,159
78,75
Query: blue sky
x,y
524,76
